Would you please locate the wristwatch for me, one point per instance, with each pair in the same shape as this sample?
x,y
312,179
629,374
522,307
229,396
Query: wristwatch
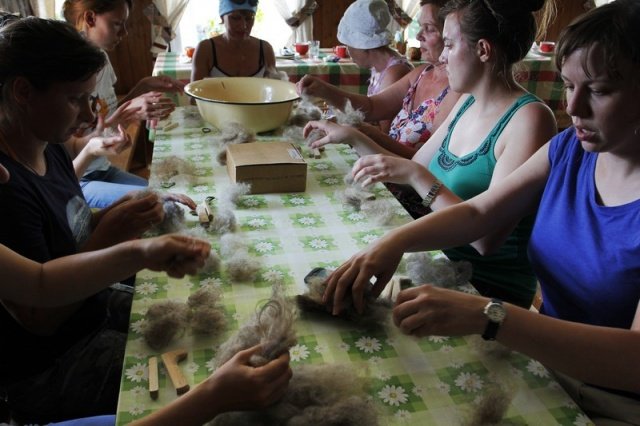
x,y
496,313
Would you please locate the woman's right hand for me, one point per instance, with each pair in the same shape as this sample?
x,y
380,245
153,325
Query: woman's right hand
x,y
333,133
379,260
178,255
313,86
370,169
237,385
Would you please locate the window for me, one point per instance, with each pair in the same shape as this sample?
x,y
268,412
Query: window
x,y
201,19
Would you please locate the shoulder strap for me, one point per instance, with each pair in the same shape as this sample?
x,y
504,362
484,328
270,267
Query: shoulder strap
x,y
213,52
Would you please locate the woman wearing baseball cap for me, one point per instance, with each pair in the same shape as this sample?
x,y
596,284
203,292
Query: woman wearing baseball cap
x,y
235,53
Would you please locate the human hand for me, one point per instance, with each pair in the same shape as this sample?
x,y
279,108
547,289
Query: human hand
x,y
379,260
427,310
237,385
334,133
312,86
124,115
127,218
176,254
370,169
161,83
180,198
152,106
98,146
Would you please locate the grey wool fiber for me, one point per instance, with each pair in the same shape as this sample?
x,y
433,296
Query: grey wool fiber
x,y
317,394
441,272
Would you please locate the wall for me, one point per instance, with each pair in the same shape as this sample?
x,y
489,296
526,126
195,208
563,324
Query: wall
x,y
132,59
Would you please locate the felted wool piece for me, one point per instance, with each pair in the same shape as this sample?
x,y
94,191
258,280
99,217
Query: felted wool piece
x,y
442,272
163,321
231,133
223,222
492,405
211,264
377,311
380,212
174,220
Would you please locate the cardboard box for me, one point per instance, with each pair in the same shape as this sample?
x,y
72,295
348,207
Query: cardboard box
x,y
267,166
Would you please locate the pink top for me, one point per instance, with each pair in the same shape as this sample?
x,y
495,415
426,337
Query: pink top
x,y
413,128
377,77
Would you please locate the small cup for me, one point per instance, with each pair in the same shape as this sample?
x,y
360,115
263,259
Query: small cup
x,y
301,48
188,51
340,51
547,46
314,49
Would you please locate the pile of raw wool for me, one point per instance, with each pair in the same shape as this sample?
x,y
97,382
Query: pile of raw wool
x,y
203,312
422,268
317,394
230,134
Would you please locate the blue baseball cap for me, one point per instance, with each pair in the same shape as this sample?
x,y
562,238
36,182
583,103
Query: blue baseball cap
x,y
228,6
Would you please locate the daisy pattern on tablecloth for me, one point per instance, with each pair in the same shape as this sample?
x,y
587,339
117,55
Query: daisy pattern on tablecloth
x,y
138,326
443,387
137,373
307,220
264,247
257,223
356,217
211,282
393,395
322,166
211,364
383,375
369,238
582,420
318,243
330,181
299,353
537,369
344,346
298,201
418,390
368,344
320,348
191,367
138,391
402,415
136,410
469,382
202,172
201,188
273,276
438,339
250,202
146,288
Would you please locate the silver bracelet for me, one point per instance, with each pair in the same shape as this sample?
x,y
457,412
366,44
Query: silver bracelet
x,y
431,195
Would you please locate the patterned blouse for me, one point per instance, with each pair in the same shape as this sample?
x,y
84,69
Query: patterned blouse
x,y
414,127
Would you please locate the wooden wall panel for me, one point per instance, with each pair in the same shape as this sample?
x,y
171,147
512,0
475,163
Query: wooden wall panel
x,y
132,59
325,20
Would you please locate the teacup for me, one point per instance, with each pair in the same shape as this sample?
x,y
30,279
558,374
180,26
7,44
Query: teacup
x,y
188,51
301,48
547,46
340,51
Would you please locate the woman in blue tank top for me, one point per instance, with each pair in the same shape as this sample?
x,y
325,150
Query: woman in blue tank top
x,y
584,247
489,133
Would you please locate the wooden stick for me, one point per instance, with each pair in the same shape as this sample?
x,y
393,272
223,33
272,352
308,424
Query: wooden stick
x,y
153,377
315,153
171,360
204,214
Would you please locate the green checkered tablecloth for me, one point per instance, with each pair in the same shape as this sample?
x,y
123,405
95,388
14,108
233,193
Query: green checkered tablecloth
x,y
429,381
536,73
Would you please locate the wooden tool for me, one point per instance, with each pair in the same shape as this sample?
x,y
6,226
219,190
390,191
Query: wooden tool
x,y
171,360
315,153
153,377
204,214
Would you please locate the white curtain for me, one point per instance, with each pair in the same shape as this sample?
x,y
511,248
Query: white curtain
x,y
410,7
43,8
294,9
171,11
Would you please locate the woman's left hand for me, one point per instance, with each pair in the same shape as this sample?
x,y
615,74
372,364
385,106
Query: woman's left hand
x,y
334,133
433,311
152,106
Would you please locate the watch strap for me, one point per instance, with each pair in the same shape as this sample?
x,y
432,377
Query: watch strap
x,y
492,327
431,195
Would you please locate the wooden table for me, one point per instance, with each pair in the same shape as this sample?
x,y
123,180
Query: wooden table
x,y
536,73
432,381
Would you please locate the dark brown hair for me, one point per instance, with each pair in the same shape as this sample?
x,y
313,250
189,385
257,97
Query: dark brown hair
x,y
508,24
614,26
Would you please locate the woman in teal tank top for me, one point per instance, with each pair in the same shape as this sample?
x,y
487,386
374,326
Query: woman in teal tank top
x,y
491,131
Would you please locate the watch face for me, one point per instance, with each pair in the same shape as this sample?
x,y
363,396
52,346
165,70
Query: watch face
x,y
496,312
